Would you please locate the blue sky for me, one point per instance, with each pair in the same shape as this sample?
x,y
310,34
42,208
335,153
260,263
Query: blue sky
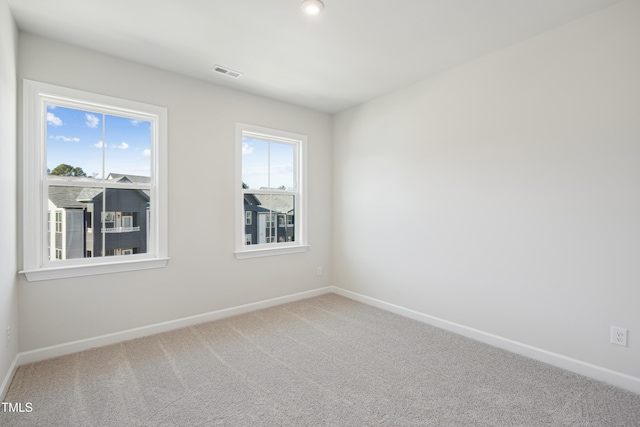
x,y
267,164
75,137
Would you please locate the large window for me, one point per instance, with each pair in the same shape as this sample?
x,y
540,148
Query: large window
x,y
91,158
270,181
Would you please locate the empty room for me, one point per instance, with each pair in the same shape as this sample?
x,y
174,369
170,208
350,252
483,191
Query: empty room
x,y
332,213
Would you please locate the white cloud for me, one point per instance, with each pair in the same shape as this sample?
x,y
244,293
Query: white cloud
x,y
122,146
146,153
282,169
53,120
135,122
246,149
91,120
65,138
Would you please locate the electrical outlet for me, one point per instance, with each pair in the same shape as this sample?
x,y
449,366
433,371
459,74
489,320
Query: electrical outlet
x,y
8,334
319,271
619,336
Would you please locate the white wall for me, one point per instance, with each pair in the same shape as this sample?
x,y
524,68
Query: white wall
x,y
504,195
203,274
8,225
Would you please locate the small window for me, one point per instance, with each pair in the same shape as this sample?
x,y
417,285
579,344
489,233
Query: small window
x,y
108,222
269,222
270,178
58,223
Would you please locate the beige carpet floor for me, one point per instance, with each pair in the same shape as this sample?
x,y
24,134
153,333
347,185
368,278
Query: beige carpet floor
x,y
324,361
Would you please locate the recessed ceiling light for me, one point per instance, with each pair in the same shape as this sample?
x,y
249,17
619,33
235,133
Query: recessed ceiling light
x,y
312,7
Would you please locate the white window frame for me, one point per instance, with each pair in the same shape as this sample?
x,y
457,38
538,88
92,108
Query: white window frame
x,y
36,264
300,199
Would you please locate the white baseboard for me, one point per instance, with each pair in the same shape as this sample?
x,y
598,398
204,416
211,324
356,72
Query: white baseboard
x,y
117,337
6,382
609,376
599,373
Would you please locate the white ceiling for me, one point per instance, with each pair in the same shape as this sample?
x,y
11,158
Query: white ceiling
x,y
355,51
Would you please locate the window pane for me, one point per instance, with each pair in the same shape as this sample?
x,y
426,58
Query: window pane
x,y
73,142
124,228
84,225
255,163
71,232
127,149
268,164
76,144
281,166
275,218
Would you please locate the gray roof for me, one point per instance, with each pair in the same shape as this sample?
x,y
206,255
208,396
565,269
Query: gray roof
x,y
87,194
75,197
66,197
135,179
276,202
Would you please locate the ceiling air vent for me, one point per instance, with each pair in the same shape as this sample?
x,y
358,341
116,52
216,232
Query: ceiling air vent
x,y
226,71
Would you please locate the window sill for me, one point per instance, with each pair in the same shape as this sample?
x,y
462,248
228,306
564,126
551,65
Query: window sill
x,y
63,272
271,251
